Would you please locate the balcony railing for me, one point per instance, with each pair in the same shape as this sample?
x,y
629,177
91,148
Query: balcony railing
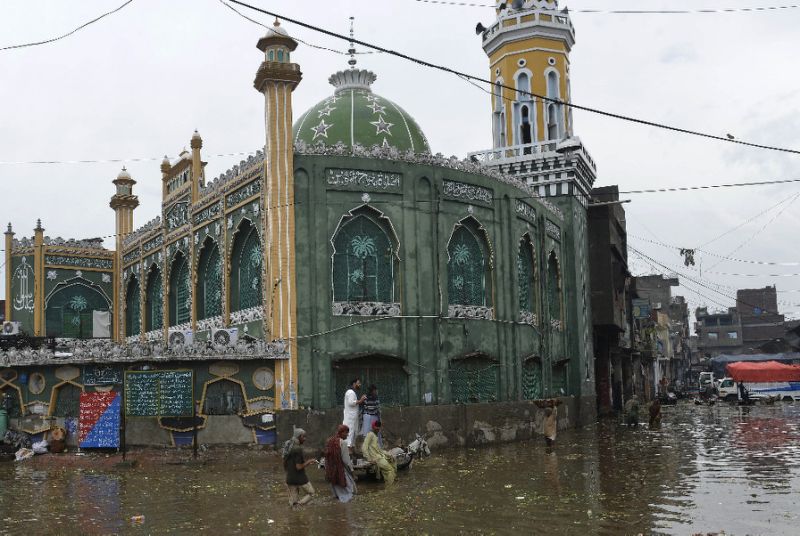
x,y
517,153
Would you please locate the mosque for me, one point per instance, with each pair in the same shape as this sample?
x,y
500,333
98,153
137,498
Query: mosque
x,y
345,248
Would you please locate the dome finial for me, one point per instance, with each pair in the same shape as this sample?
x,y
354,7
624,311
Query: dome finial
x,y
352,50
277,22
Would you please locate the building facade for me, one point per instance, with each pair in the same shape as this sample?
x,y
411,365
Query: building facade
x,y
344,248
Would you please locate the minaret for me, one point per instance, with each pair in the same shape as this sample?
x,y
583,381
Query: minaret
x,y
123,202
528,48
197,166
533,143
276,79
9,245
38,281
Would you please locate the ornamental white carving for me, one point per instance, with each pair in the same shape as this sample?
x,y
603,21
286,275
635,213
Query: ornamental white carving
x,y
24,277
556,324
373,180
215,322
526,317
526,211
468,192
365,309
51,275
470,311
76,351
552,229
250,314
106,278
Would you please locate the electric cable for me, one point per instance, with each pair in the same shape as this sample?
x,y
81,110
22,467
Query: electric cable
x,y
82,26
717,255
455,72
629,11
320,47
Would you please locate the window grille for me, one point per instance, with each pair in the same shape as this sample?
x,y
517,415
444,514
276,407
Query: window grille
x,y
209,282
473,380
180,305
248,259
388,375
133,309
363,263
466,267
67,401
224,397
154,302
526,277
532,380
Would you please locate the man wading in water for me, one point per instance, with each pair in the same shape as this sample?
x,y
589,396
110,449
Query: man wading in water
x,y
550,421
295,464
350,416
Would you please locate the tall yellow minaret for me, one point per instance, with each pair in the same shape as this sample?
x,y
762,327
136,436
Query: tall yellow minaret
x,y
276,79
123,202
528,48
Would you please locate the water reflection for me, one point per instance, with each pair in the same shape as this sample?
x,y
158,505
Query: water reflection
x,y
706,469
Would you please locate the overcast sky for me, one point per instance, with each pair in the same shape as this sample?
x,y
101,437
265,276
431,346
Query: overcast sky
x,y
138,82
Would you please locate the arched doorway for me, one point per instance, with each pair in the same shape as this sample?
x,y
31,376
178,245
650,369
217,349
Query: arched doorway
x,y
388,374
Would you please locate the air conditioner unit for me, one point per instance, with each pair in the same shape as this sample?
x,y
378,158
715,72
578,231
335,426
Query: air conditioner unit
x,y
11,328
180,336
225,336
657,305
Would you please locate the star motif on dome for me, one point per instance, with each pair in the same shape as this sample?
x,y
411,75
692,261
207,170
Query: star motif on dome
x,y
377,108
326,112
332,100
382,126
321,129
372,98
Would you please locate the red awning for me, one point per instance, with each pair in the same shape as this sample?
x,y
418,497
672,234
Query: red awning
x,y
763,372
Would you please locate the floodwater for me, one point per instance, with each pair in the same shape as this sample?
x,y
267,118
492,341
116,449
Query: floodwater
x,y
707,469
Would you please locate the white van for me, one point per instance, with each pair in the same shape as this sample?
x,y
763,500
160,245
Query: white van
x,y
728,389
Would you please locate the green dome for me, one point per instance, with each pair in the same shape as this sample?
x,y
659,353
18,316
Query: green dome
x,y
356,115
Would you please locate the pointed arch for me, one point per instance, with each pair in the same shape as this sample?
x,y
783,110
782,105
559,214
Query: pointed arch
x,y
469,265
365,259
208,291
554,110
524,109
554,295
154,300
133,317
69,308
247,267
527,297
180,294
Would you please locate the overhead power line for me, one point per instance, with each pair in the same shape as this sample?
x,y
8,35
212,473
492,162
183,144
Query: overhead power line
x,y
717,255
320,47
632,11
443,68
81,27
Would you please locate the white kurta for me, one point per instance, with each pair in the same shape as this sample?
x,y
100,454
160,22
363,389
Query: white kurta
x,y
350,418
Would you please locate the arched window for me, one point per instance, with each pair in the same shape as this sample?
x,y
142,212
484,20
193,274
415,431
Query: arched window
x,y
280,55
67,400
247,260
154,301
223,397
271,55
69,311
389,375
474,379
499,116
554,120
132,309
468,267
554,287
363,262
180,298
524,123
526,276
209,281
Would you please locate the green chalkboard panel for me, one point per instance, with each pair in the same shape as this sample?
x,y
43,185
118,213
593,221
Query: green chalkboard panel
x,y
159,393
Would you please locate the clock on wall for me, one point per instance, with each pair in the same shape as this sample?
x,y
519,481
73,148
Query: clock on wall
x,y
264,378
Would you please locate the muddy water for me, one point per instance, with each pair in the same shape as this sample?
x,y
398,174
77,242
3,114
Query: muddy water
x,y
706,469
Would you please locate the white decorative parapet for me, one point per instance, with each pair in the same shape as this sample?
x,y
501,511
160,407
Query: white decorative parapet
x,y
105,351
519,153
557,325
251,314
214,322
526,317
477,312
365,309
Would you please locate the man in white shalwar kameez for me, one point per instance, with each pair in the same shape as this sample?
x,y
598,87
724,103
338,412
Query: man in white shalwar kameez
x,y
351,403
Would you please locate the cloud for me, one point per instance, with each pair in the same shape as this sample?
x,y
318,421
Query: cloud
x,y
678,53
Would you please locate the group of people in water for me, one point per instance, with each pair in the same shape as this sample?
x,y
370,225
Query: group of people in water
x,y
339,453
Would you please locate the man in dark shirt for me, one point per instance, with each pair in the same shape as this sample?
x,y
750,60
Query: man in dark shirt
x,y
295,464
